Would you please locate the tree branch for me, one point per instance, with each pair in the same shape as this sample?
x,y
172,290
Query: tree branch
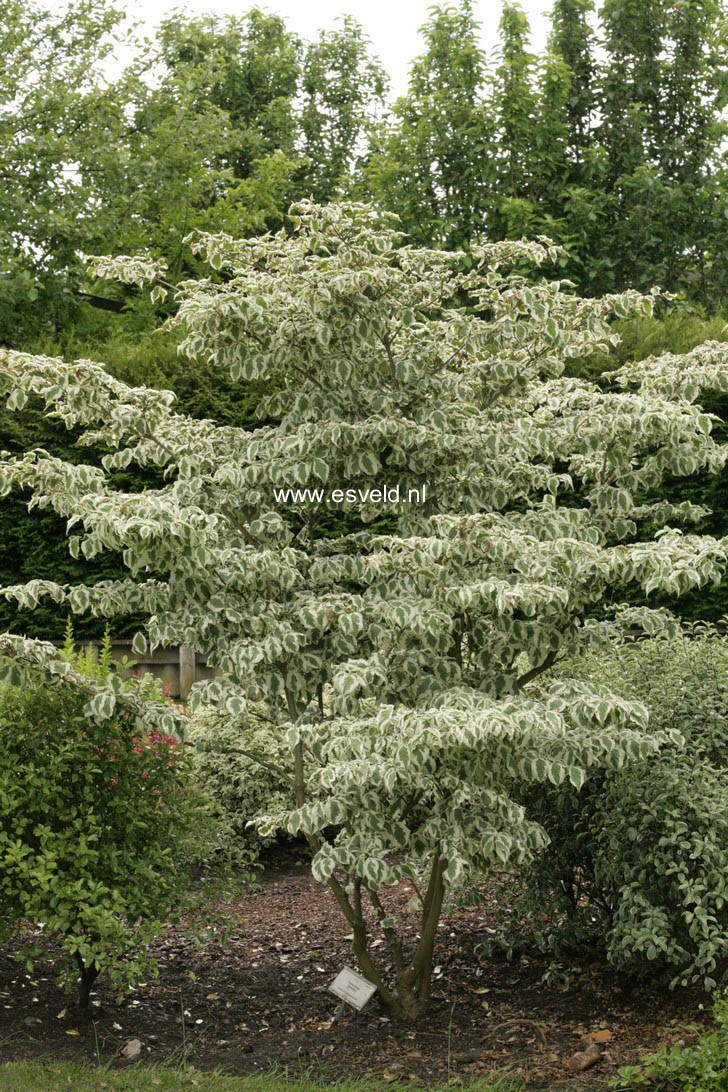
x,y
550,660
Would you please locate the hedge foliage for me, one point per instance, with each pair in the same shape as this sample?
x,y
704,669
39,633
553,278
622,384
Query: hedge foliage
x,y
638,859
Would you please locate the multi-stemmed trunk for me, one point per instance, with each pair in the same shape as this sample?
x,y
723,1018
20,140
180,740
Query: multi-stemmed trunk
x,y
407,996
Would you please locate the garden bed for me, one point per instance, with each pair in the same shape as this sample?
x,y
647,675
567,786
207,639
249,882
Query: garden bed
x,y
262,1002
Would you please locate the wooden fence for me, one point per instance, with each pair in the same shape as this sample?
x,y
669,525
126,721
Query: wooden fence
x,y
177,668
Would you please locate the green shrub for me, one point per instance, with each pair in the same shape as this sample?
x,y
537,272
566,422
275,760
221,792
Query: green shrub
x,y
226,771
98,821
678,329
699,1068
638,860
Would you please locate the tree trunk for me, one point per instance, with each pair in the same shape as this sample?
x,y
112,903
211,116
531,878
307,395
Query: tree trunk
x,y
89,974
409,996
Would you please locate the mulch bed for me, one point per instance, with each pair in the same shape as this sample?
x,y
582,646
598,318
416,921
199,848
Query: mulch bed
x,y
261,1001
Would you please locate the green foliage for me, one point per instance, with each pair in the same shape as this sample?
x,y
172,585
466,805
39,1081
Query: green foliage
x,y
677,329
225,767
426,157
97,823
702,1067
637,861
514,101
52,109
397,662
216,125
572,39
343,88
248,68
610,145
101,823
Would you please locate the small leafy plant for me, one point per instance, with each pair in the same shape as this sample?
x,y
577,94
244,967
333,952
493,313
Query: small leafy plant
x,y
699,1068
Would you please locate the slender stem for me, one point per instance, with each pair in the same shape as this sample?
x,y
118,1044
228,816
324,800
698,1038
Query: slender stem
x,y
393,940
89,974
417,975
353,914
299,781
232,519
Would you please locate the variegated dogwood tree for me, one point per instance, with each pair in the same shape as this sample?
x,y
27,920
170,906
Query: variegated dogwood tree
x,y
401,664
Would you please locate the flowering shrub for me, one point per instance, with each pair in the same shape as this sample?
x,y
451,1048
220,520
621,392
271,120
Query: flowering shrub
x,y
99,822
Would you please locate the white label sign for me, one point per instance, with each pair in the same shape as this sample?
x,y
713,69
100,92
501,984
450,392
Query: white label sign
x,y
352,988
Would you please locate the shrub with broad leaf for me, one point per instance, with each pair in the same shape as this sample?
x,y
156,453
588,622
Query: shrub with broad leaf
x,y
100,819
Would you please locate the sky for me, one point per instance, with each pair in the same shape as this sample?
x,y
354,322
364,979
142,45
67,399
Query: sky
x,y
392,25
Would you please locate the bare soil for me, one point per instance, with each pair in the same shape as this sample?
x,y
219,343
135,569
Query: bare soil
x,y
260,1001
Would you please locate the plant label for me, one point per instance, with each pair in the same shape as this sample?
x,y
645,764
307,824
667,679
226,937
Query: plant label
x,y
352,988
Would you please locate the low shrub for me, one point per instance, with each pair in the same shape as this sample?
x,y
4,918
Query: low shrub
x,y
99,821
638,859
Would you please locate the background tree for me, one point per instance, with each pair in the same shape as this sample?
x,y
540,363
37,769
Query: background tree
x,y
249,67
572,39
616,158
514,104
430,159
343,89
51,93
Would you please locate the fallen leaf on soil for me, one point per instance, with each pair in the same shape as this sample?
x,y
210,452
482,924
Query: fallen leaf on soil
x,y
585,1059
602,1036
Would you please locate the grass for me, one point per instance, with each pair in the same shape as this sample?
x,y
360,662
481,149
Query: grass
x,y
62,1076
